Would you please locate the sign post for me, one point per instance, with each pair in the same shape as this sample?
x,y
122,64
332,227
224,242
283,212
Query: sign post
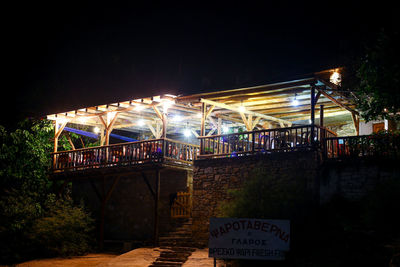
x,y
241,238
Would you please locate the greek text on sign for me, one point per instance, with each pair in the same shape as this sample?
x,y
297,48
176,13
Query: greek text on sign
x,y
240,238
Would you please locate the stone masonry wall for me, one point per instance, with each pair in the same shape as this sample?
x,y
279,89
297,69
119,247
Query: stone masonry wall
x,y
353,179
212,178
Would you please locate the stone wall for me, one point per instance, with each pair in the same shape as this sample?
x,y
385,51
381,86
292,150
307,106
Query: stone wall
x,y
353,179
130,210
212,178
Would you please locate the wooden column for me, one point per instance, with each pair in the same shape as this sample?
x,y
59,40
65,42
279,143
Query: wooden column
x,y
312,97
104,197
156,204
164,125
108,126
321,115
356,121
203,119
58,128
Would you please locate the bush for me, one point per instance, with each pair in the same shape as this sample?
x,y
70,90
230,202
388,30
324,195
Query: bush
x,y
33,222
64,230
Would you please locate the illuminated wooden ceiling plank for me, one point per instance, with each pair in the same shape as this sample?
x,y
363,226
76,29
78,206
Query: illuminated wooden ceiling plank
x,y
236,109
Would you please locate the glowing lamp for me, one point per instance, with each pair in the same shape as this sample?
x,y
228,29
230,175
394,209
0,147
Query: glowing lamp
x,y
96,130
186,132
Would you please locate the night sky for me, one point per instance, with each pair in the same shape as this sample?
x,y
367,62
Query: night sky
x,y
63,55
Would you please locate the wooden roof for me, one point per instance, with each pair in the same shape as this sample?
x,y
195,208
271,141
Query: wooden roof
x,y
266,104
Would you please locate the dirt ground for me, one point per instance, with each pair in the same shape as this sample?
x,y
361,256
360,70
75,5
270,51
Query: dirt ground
x,y
85,261
140,257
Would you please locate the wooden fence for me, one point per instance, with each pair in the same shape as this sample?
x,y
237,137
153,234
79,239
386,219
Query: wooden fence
x,y
279,140
380,145
125,154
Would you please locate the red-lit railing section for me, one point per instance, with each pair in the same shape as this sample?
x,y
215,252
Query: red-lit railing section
x,y
380,145
133,153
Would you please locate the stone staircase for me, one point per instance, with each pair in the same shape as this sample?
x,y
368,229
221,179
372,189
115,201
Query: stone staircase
x,y
176,246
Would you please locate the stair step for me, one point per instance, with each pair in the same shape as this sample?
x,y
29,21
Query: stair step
x,y
167,263
163,259
179,248
182,238
175,254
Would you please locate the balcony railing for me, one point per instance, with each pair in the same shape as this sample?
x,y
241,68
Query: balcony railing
x,y
381,145
263,141
133,153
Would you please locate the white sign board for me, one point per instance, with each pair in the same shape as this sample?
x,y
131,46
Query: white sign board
x,y
240,238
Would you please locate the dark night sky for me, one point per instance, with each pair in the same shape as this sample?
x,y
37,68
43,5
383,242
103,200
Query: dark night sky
x,y
69,55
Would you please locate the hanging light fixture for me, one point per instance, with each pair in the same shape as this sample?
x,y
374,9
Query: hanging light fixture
x,y
186,131
295,102
242,108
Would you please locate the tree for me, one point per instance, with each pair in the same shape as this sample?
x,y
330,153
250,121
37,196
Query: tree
x,y
28,206
375,79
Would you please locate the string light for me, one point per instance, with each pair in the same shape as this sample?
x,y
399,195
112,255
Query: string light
x,y
96,130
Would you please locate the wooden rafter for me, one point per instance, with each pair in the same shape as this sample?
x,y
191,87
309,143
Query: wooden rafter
x,y
236,109
337,102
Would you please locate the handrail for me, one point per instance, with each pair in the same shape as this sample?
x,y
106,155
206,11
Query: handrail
x,y
112,145
362,146
130,153
260,141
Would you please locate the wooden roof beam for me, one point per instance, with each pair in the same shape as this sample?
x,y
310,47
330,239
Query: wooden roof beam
x,y
248,112
334,100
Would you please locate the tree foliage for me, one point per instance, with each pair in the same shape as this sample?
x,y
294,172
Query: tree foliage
x,y
375,78
29,211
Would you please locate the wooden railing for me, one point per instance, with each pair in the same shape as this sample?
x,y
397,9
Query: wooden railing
x,y
386,145
133,153
268,140
181,206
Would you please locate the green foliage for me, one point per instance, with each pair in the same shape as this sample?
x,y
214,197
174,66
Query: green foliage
x,y
265,195
27,199
64,230
375,79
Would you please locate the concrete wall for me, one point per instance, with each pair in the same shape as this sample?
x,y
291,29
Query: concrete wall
x,y
214,177
130,209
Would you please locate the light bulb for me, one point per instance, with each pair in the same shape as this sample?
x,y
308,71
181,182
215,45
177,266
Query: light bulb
x,y
96,130
140,122
186,132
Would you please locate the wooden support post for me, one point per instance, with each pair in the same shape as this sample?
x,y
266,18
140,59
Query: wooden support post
x,y
203,119
164,125
219,126
312,98
356,121
321,115
156,204
104,199
108,126
58,128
